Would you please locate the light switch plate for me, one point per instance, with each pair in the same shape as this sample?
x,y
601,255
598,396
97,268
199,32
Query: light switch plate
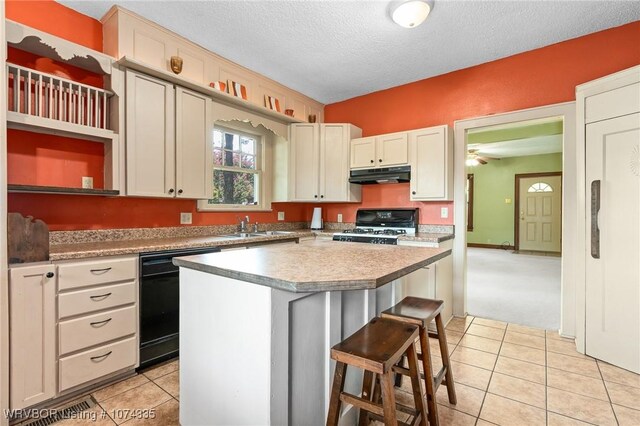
x,y
339,217
444,212
186,218
507,200
280,215
87,182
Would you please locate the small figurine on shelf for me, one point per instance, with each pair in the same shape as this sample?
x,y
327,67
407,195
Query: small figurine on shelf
x,y
289,112
176,64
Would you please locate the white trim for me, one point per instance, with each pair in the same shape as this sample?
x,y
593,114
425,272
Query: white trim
x,y
4,284
571,196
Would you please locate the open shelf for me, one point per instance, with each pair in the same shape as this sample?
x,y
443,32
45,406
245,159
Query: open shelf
x,y
37,189
206,90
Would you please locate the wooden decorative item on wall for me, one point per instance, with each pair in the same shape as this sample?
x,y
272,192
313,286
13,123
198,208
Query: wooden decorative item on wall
x,y
176,64
236,89
28,239
272,103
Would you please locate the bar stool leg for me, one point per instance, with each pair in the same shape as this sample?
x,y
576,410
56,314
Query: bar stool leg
x,y
388,398
416,383
428,376
367,393
444,351
336,390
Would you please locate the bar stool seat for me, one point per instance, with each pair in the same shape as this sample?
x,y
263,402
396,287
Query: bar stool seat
x,y
420,312
376,348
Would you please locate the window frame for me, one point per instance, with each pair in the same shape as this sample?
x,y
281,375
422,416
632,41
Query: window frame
x,y
259,171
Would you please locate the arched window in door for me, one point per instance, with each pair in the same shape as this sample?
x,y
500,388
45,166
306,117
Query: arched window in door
x,y
540,187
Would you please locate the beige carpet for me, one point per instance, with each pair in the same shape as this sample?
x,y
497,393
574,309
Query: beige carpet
x,y
515,288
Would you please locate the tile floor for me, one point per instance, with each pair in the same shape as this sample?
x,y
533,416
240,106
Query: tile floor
x,y
157,389
505,374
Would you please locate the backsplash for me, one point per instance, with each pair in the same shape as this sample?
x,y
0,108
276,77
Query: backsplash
x,y
101,235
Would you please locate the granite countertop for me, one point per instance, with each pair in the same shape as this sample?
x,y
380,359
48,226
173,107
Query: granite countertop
x,y
317,265
122,247
429,237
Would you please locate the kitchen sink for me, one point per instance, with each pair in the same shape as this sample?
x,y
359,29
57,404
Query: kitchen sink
x,y
255,234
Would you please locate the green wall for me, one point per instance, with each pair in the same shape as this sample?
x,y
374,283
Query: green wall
x,y
493,183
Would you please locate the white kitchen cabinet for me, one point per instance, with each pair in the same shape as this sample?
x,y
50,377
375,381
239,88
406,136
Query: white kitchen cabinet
x,y
319,163
169,133
33,334
609,128
431,159
379,151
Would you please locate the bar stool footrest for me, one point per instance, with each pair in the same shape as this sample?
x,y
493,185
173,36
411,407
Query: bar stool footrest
x,y
362,403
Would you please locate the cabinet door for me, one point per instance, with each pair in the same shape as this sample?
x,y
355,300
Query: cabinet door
x,y
334,162
431,168
33,334
363,153
391,150
421,283
194,145
150,136
304,162
613,241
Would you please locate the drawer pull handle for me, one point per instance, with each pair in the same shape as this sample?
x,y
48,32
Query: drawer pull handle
x,y
101,357
100,271
100,322
100,296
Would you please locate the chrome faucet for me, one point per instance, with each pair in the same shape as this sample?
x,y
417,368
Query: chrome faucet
x,y
244,224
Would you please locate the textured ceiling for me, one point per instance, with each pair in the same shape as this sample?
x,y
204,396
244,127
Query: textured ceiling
x,y
335,50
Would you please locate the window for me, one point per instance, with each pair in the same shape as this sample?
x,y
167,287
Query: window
x,y
540,187
237,170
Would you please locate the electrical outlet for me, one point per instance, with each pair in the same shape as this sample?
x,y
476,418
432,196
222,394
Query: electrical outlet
x,y
87,182
339,217
185,218
280,215
444,212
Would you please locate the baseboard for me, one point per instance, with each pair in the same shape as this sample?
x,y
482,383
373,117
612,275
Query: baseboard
x,y
491,246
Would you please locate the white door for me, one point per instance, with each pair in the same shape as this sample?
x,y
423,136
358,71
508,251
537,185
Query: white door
x,y
32,291
334,158
150,136
304,162
194,145
613,241
363,152
540,213
392,150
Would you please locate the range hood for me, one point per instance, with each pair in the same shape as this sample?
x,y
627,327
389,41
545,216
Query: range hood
x,y
381,175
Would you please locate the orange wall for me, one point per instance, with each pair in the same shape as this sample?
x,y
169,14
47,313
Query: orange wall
x,y
539,77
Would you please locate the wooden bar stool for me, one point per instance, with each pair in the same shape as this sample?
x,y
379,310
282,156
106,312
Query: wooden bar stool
x,y
375,348
420,312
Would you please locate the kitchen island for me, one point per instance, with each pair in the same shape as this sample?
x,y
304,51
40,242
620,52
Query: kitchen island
x,y
256,326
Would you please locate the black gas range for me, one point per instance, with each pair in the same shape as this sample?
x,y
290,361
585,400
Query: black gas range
x,y
380,226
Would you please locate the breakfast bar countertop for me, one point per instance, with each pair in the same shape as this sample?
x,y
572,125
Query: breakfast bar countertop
x,y
318,265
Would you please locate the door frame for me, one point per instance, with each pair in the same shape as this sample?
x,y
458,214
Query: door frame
x,y
566,111
516,221
4,275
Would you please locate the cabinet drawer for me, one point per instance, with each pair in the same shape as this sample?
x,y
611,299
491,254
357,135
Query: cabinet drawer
x,y
82,274
77,369
95,329
95,299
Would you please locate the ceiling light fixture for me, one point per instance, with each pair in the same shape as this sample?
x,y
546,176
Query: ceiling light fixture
x,y
472,162
411,13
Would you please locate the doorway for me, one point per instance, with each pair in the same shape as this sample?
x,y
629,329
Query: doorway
x,y
565,112
538,212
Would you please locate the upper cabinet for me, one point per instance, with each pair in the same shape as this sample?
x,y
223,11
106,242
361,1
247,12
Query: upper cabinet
x,y
431,159
133,40
379,151
318,163
168,139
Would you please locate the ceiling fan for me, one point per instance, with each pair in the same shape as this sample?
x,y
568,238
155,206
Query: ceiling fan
x,y
474,159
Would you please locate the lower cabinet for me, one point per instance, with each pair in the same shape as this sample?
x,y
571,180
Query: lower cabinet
x,y
90,335
32,347
434,281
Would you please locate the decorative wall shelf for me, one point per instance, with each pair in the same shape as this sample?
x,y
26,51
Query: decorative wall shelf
x,y
47,45
224,97
36,189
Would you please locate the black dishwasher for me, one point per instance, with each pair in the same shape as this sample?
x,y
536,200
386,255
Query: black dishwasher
x,y
160,304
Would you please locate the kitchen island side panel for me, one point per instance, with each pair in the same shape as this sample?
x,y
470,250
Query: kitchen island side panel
x,y
225,347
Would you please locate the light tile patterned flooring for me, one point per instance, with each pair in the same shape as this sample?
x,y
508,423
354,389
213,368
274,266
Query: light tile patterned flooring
x,y
157,389
505,374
